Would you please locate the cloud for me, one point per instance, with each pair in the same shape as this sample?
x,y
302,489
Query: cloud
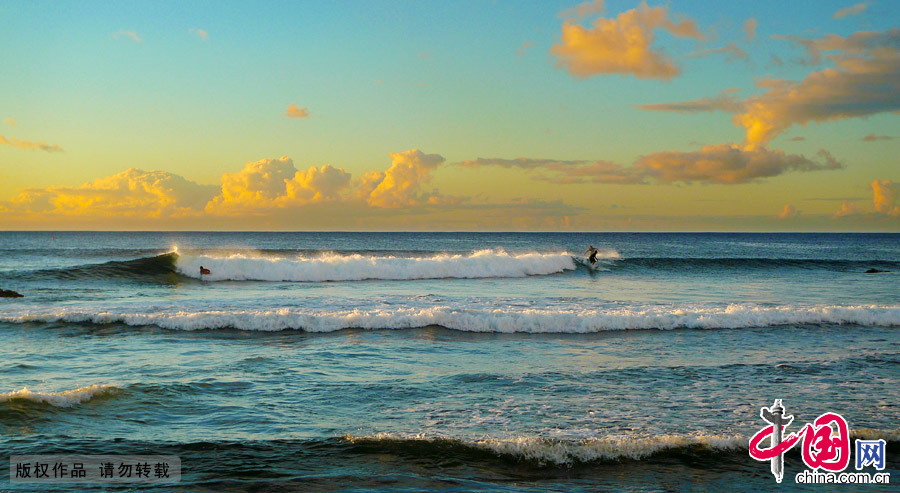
x,y
622,45
584,9
131,34
131,193
276,183
797,139
750,28
874,138
725,101
401,184
884,195
864,81
10,122
853,10
294,112
722,164
565,172
26,144
727,164
847,209
789,212
731,49
200,33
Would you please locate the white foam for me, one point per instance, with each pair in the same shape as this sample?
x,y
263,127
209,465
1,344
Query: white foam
x,y
65,398
568,451
335,267
508,319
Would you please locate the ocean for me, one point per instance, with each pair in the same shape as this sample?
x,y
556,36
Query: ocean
x,y
444,361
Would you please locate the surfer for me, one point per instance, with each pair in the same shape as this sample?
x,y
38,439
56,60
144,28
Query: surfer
x,y
593,254
204,271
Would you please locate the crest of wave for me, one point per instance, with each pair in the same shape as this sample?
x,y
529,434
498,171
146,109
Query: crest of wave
x,y
356,267
65,398
553,451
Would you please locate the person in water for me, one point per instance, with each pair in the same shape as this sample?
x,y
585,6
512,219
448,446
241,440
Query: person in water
x,y
203,271
593,254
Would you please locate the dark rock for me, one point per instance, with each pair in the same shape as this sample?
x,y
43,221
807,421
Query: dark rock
x,y
875,271
9,294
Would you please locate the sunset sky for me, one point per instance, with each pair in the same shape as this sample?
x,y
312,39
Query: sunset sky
x,y
507,115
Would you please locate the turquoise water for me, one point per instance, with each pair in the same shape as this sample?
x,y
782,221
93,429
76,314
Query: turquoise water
x,y
444,361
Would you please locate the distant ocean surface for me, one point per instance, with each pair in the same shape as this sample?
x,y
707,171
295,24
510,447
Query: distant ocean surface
x,y
452,361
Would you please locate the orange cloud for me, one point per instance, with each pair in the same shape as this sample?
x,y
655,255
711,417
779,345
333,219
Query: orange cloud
x,y
853,10
875,138
789,212
294,112
9,121
885,194
864,81
726,164
25,144
750,28
132,193
622,45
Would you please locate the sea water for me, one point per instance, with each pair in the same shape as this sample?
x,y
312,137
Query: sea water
x,y
466,361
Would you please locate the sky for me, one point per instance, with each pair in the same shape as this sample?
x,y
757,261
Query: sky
x,y
450,116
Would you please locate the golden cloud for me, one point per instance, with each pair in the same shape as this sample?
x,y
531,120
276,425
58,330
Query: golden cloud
x,y
885,194
864,81
789,212
276,183
26,144
131,193
294,112
623,45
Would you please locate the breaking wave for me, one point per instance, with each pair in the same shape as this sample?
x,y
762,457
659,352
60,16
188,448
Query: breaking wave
x,y
551,451
66,398
558,452
507,320
341,267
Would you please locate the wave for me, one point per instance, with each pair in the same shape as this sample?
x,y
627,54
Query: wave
x,y
547,451
508,320
159,267
356,267
551,451
66,398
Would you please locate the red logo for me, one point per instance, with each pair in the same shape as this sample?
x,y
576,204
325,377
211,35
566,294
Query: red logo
x,y
826,441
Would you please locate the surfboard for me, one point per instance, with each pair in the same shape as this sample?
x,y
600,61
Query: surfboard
x,y
587,263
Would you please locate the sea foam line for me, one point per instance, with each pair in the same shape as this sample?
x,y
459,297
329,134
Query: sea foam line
x,y
66,398
335,267
477,320
563,452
